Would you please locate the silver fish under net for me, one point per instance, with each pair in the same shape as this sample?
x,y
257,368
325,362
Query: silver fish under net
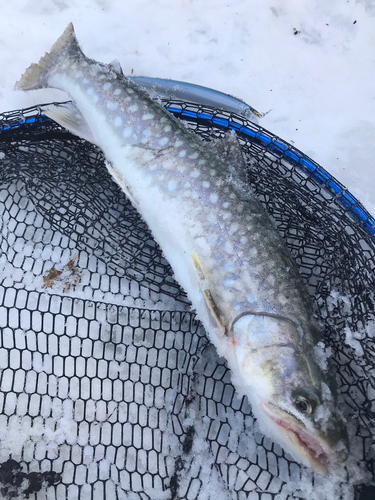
x,y
109,387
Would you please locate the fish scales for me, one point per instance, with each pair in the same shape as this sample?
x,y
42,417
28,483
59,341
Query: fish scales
x,y
220,242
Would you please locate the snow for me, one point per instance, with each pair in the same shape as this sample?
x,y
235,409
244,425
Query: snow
x,y
310,64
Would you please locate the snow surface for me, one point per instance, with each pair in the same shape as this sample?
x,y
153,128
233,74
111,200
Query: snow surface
x,y
311,64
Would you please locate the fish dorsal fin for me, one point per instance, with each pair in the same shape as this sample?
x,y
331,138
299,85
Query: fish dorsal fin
x,y
116,67
69,116
229,150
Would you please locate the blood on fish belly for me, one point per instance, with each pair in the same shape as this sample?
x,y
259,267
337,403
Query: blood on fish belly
x,y
220,242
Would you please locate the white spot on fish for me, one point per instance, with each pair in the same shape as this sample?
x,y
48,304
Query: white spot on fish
x,y
282,299
85,80
214,198
95,97
226,204
172,185
253,252
79,74
234,227
205,184
147,116
74,65
90,91
195,173
195,195
112,105
228,247
201,162
163,141
117,92
167,128
181,168
128,131
130,91
118,121
182,153
271,280
187,194
194,156
212,218
243,239
178,143
133,108
212,172
107,85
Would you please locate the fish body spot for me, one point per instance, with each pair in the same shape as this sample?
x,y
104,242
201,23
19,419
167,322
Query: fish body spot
x,y
182,153
178,143
128,131
172,185
117,92
214,198
85,80
163,141
107,85
112,105
118,121
167,128
133,108
205,184
193,156
147,116
195,173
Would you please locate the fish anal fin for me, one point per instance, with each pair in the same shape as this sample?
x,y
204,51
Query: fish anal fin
x,y
209,300
69,116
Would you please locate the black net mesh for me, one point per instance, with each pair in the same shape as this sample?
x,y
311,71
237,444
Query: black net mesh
x,y
109,387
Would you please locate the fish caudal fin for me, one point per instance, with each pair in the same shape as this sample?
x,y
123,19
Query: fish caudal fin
x,y
36,76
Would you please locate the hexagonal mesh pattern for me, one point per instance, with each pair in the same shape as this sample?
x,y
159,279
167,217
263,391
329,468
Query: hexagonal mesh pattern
x,y
109,388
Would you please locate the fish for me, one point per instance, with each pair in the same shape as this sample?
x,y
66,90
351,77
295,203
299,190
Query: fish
x,y
223,247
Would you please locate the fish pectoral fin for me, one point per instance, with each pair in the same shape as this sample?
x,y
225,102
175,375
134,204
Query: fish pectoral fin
x,y
69,116
204,286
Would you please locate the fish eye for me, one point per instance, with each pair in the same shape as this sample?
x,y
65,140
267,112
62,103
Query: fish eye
x,y
306,400
303,405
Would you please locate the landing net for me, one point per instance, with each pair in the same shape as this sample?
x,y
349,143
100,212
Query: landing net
x,y
109,387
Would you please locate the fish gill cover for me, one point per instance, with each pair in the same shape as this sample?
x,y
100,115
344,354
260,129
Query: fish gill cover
x,y
109,388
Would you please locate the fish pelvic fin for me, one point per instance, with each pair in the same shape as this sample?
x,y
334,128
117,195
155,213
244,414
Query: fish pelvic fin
x,y
209,300
36,76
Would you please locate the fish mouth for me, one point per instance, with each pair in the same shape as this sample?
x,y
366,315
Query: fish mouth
x,y
312,449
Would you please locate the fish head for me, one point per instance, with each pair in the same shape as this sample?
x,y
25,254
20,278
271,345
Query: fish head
x,y
292,397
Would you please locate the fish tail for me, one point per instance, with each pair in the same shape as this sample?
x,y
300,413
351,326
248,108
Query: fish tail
x,y
36,76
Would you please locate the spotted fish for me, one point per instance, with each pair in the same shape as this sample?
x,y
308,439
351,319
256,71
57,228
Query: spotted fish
x,y
221,244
